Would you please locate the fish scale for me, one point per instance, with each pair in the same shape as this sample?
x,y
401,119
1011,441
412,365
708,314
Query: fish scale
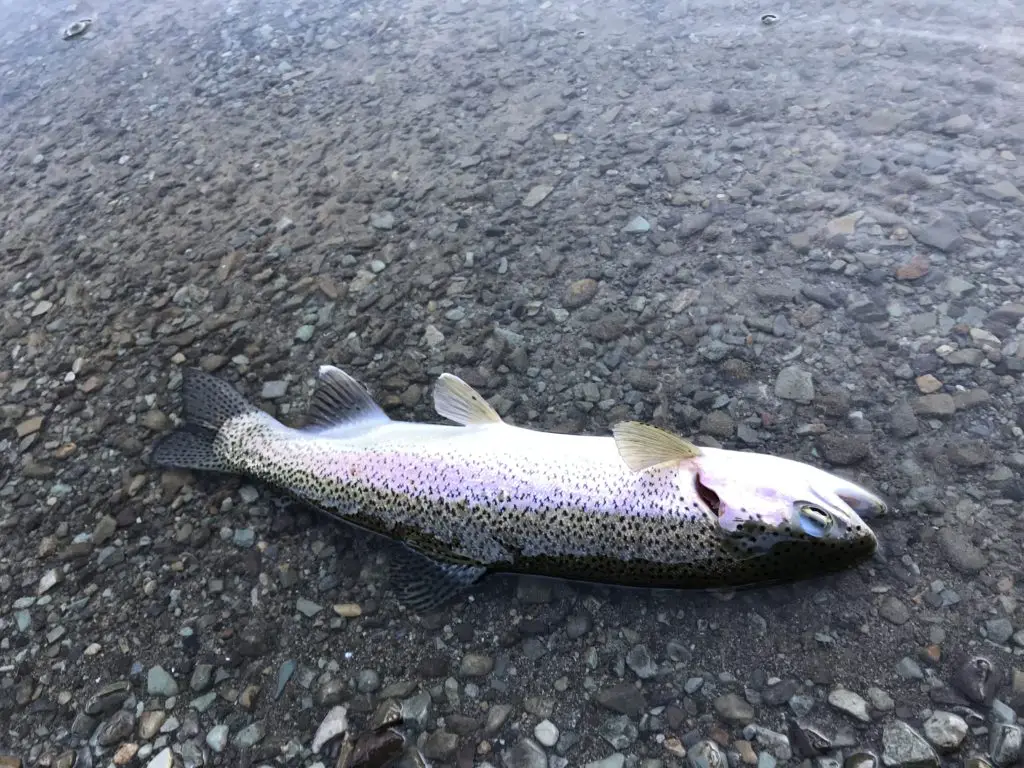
x,y
642,507
598,502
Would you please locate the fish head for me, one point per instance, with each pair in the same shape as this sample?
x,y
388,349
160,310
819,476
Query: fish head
x,y
794,516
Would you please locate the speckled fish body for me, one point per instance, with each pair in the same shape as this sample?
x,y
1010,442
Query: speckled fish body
x,y
642,507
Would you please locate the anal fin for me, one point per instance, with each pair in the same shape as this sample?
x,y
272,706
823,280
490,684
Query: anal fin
x,y
425,584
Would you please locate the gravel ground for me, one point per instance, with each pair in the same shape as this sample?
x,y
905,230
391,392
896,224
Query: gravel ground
x,y
802,238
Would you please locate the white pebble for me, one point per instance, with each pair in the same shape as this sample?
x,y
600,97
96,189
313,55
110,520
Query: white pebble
x,y
546,733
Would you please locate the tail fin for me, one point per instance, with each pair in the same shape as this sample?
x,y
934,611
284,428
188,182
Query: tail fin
x,y
207,402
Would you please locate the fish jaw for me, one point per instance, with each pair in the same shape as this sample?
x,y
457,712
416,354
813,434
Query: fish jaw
x,y
764,500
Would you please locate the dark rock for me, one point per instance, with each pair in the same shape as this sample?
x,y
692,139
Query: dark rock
x,y
115,730
623,698
977,679
778,694
960,552
844,450
440,745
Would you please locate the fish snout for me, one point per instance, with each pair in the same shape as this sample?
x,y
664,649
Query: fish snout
x,y
867,505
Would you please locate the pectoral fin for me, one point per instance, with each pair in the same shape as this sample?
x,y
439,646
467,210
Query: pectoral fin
x,y
424,583
642,446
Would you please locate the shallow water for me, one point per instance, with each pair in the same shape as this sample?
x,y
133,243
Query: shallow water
x,y
590,211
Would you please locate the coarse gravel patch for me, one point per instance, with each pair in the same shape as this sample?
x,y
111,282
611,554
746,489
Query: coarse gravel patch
x,y
799,234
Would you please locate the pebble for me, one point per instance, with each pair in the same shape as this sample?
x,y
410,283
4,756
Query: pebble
x,y
334,724
693,684
706,754
217,738
734,709
441,745
850,703
945,730
777,743
903,747
623,698
579,293
526,753
639,660
304,333
160,683
619,731
940,405
274,390
861,760
41,308
546,733
476,665
284,674
894,610
29,426
204,702
331,692
941,234
537,195
880,700
385,220
960,287
116,729
150,723
202,678
843,450
957,125
637,225
367,681
154,420
999,630
694,223
1005,744
969,453
163,759
497,716
307,608
249,736
1002,713
909,669
243,537
794,383
348,610
49,580
960,552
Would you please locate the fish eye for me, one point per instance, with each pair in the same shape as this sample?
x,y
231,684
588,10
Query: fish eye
x,y
814,520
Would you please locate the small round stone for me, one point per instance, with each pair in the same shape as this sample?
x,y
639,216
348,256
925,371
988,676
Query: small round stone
x,y
546,733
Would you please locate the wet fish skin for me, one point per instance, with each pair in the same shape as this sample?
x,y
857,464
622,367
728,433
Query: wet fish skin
x,y
642,507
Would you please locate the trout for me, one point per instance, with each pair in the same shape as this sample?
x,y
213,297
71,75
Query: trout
x,y
642,507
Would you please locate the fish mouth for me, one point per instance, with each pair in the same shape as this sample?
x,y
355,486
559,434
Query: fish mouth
x,y
865,504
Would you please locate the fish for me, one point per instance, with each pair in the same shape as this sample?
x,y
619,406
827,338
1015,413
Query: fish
x,y
642,507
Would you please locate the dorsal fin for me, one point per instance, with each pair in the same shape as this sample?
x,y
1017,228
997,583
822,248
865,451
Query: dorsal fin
x,y
642,446
456,400
339,399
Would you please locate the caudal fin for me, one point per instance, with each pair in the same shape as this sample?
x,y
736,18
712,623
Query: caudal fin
x,y
207,402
